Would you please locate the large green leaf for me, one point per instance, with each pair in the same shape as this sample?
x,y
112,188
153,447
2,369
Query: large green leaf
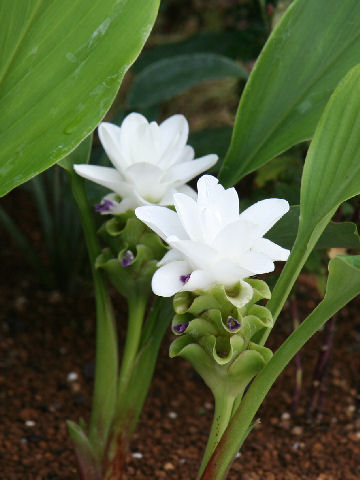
x,y
331,176
342,286
313,46
61,65
332,167
242,44
165,78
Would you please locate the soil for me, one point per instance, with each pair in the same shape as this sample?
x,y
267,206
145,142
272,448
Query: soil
x,y
46,375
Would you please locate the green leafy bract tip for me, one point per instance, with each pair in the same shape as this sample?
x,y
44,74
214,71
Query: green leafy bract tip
x,y
132,254
218,325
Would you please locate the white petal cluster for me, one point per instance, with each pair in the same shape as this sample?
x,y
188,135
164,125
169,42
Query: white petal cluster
x,y
211,242
152,162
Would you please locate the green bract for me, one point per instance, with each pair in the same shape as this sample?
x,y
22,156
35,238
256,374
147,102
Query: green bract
x,y
219,338
132,254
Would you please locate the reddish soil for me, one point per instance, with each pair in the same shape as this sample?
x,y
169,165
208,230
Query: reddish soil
x,y
47,335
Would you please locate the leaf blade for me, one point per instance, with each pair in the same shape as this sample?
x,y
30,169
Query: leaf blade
x,y
168,77
292,94
70,60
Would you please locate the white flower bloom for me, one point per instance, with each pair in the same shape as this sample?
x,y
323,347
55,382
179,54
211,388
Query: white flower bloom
x,y
152,162
211,242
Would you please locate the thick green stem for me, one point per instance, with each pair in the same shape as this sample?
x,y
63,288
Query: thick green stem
x,y
106,367
137,307
223,410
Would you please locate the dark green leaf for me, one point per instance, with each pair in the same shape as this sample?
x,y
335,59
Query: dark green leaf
x,y
165,78
313,46
235,44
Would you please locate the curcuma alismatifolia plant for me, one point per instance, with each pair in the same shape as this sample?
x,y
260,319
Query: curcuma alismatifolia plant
x,y
161,236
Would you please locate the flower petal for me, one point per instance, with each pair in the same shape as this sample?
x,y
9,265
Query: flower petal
x,y
256,262
109,136
188,215
166,280
266,212
271,249
236,238
147,179
146,144
183,172
190,192
170,256
162,220
227,273
174,133
106,176
199,280
212,195
199,255
129,135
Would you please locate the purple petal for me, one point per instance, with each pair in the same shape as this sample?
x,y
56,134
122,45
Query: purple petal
x,y
104,206
185,278
233,324
127,258
180,327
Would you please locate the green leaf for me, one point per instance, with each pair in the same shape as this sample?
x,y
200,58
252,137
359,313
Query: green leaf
x,y
313,46
343,285
61,66
171,76
243,44
331,176
81,154
89,466
336,234
333,160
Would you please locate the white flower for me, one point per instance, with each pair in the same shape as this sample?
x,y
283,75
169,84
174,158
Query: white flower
x,y
152,162
211,242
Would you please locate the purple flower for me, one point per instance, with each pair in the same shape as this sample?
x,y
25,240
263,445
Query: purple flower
x,y
127,258
233,324
180,327
185,278
104,206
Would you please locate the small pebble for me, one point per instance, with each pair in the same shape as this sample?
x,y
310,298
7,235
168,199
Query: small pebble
x,y
238,455
72,377
169,466
137,455
208,406
285,416
30,423
297,430
172,415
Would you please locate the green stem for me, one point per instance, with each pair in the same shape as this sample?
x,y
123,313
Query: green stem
x,y
305,241
126,406
106,366
223,410
137,307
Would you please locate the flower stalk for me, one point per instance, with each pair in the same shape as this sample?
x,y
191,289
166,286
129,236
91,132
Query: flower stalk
x,y
106,365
